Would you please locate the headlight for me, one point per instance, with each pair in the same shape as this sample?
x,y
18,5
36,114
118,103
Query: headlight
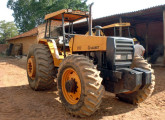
x,y
118,57
121,57
129,56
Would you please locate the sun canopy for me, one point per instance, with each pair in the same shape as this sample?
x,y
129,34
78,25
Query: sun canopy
x,y
117,25
69,15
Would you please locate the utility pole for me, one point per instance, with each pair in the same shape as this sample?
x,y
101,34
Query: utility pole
x,y
120,28
146,40
164,34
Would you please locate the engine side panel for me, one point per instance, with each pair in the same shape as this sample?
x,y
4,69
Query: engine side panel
x,y
88,43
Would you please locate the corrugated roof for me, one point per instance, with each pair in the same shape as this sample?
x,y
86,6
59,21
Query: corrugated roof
x,y
142,12
32,32
138,12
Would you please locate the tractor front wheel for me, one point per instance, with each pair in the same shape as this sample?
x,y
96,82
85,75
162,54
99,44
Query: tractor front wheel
x,y
79,85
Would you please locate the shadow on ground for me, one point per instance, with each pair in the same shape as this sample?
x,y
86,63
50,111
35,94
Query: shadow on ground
x,y
20,102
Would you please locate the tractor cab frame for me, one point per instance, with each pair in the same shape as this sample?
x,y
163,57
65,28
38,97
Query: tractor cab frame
x,y
68,16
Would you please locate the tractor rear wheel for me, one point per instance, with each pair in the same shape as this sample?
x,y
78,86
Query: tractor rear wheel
x,y
142,94
79,85
40,67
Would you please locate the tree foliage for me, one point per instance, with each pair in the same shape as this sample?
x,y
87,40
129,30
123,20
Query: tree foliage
x,y
30,13
7,30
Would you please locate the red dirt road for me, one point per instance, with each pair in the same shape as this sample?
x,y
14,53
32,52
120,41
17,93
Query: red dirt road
x,y
19,102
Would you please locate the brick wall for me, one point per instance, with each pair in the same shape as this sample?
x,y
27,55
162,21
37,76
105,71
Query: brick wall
x,y
3,47
41,28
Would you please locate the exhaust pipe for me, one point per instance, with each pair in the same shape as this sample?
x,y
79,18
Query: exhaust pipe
x,y
90,19
98,30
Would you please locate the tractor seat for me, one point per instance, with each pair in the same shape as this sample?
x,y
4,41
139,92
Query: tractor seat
x,y
59,41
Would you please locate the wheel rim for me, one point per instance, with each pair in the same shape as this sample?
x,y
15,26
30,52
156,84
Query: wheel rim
x,y
31,67
129,92
71,86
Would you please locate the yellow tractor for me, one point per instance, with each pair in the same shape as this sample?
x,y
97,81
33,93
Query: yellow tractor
x,y
119,25
114,26
85,66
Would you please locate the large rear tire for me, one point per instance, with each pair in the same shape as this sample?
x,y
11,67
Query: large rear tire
x,y
40,67
79,85
142,94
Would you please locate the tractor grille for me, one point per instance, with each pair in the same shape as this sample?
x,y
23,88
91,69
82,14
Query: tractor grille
x,y
124,53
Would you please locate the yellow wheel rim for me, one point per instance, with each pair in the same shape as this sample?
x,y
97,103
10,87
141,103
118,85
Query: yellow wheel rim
x,y
31,67
71,81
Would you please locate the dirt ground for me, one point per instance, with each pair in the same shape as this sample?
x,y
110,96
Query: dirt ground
x,y
19,102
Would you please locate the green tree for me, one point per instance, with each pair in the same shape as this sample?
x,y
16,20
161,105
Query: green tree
x,y
30,13
7,30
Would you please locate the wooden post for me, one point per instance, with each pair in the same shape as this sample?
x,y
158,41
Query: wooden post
x,y
146,40
120,28
164,33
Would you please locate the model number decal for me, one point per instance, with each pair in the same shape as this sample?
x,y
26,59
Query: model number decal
x,y
93,47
